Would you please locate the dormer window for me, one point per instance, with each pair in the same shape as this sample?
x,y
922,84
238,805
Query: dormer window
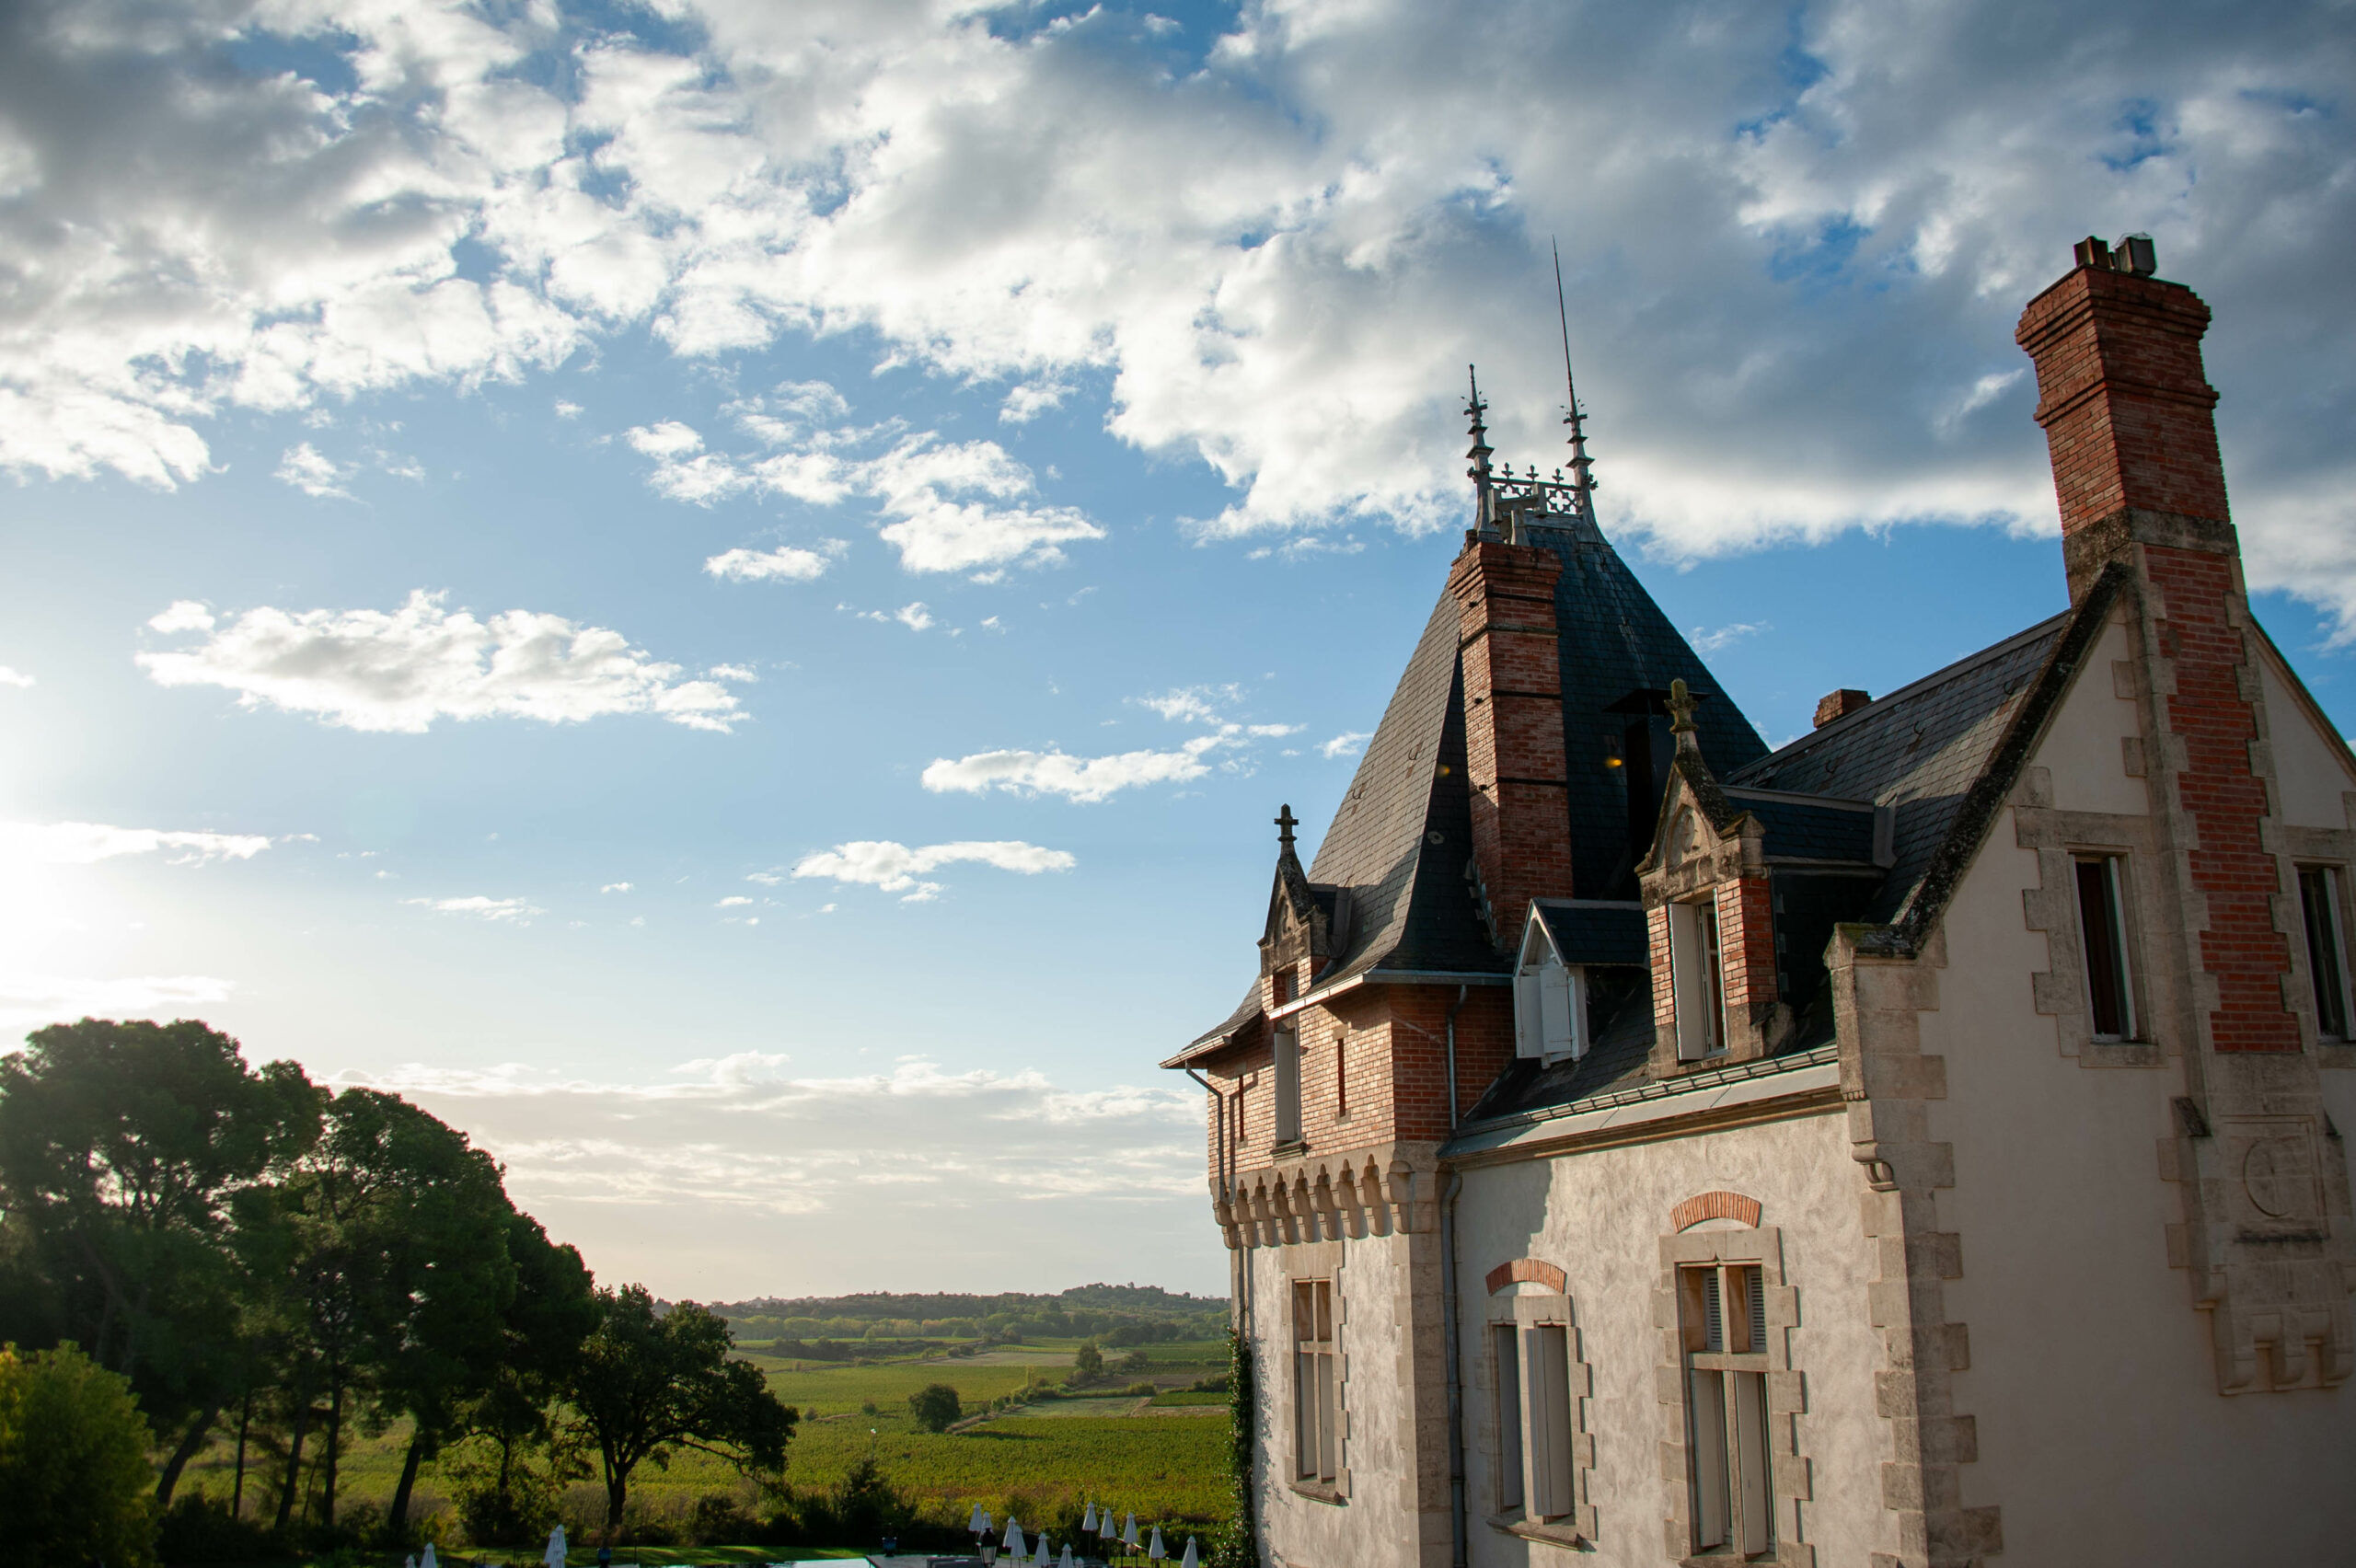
x,y
1549,1002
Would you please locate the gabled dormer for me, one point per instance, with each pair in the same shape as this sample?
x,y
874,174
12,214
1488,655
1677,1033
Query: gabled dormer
x,y
1577,956
1306,922
1741,889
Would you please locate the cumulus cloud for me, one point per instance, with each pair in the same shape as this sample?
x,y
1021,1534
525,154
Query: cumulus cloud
x,y
785,564
1057,773
10,677
308,470
516,911
82,843
615,887
402,670
1346,744
1199,705
949,506
895,867
1795,241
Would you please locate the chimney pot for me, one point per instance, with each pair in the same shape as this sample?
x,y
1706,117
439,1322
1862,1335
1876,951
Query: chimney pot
x,y
1840,704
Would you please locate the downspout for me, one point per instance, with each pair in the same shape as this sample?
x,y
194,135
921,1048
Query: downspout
x,y
1460,1546
1239,1272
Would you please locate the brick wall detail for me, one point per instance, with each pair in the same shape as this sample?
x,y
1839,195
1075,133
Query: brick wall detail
x,y
1714,1205
1528,1271
1513,726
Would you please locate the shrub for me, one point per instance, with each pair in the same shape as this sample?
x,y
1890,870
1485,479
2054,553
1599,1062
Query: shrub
x,y
935,1406
74,1461
720,1520
200,1530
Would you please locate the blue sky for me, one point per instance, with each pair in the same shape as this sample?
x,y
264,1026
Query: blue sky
x,y
983,461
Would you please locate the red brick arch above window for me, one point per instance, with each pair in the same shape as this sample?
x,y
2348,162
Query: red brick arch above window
x,y
1528,1271
1714,1205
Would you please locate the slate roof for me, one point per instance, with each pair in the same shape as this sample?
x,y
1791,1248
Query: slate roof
x,y
1402,838
1941,753
1919,750
1800,828
1591,932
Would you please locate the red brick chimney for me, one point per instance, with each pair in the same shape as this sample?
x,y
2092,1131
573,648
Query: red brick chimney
x,y
2126,412
2126,408
1513,725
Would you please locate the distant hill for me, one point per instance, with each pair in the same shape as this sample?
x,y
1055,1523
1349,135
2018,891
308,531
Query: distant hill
x,y
1119,1314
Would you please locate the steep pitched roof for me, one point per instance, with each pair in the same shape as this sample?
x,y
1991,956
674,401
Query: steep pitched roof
x,y
1401,840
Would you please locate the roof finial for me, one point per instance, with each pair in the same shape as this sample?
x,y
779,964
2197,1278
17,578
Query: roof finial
x,y
1285,822
1582,474
1484,498
1681,709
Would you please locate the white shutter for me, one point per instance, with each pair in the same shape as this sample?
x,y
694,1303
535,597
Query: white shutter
x,y
1527,1037
1555,1010
1550,1421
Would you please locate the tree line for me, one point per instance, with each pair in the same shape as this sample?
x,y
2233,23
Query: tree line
x,y
263,1261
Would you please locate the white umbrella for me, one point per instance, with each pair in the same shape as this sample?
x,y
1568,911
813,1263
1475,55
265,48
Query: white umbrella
x,y
1014,1542
1155,1550
1190,1559
1065,1560
981,1520
1087,1520
427,1561
1040,1558
413,1560
1129,1533
554,1556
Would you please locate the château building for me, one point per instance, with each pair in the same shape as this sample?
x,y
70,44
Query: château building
x,y
1919,1145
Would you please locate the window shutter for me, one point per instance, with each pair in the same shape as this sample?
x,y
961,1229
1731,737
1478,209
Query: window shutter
x,y
1713,1324
1527,1038
1554,1009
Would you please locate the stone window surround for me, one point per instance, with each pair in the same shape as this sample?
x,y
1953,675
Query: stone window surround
x,y
2058,838
1789,1476
1302,1262
2293,847
1547,1304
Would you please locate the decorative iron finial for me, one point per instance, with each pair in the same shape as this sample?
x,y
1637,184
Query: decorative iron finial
x,y
1681,709
1285,822
1582,475
1483,495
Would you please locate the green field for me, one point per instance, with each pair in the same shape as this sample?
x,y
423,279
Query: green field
x,y
1042,1461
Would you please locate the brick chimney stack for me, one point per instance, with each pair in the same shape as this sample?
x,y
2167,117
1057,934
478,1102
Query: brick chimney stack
x,y
2127,409
1508,639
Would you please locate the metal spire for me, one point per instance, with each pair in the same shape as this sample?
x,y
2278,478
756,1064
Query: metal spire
x,y
1582,475
1484,505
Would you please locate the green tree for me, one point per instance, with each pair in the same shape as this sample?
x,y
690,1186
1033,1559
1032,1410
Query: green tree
x,y
395,1279
126,1151
1087,1363
650,1381
75,1482
936,1406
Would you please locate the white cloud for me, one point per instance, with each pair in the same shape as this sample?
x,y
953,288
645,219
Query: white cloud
x,y
1344,744
743,673
400,671
615,887
1711,641
10,677
1198,705
1796,241
895,867
183,615
314,475
81,843
1032,398
916,617
1055,773
518,911
786,564
568,409
732,901
28,1001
